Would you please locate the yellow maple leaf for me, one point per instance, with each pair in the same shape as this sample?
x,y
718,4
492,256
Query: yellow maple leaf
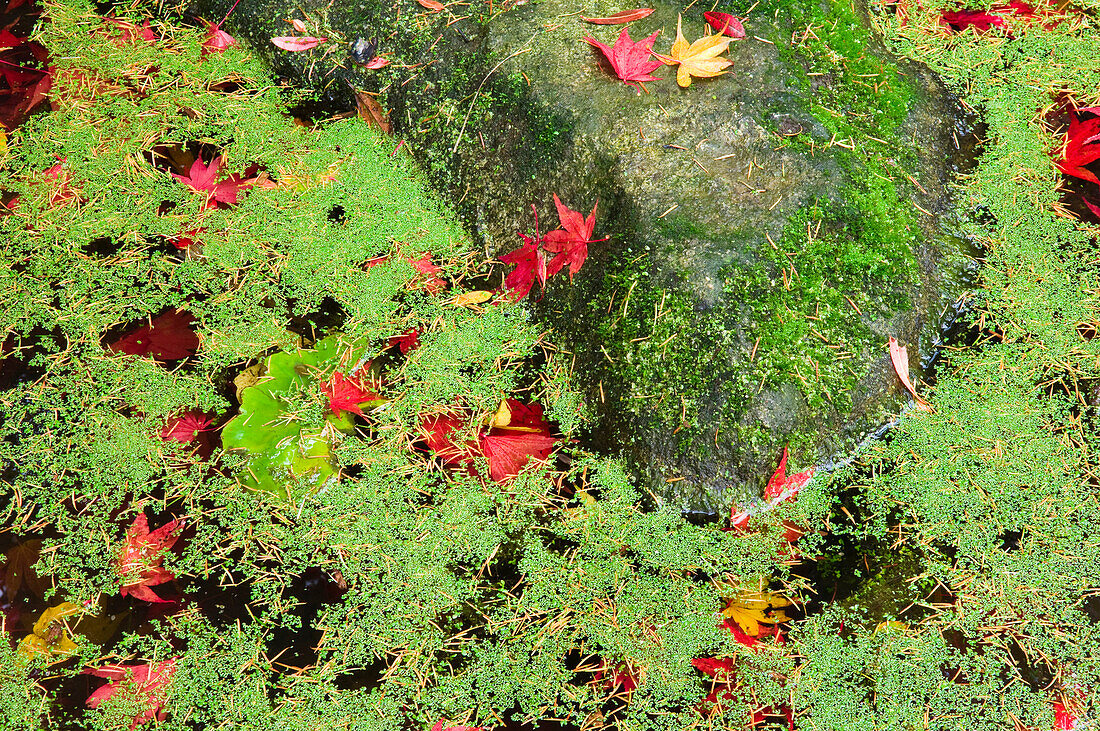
x,y
698,58
750,610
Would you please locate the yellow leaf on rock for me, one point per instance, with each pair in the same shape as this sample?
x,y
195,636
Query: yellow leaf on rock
x,y
752,609
698,58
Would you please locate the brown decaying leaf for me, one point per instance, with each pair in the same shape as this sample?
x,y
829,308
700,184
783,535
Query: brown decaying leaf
x,y
625,16
18,573
370,110
899,356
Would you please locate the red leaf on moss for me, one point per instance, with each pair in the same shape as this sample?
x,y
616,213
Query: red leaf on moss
x,y
430,281
714,666
147,684
216,40
725,24
349,394
530,263
780,487
168,337
570,243
632,61
1082,144
203,178
129,33
377,62
625,16
139,562
297,43
185,427
526,438
509,451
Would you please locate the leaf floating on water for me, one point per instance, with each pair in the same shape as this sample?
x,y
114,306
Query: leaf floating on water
x,y
899,355
625,16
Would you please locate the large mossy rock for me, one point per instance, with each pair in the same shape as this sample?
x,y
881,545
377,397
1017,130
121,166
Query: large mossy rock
x,y
769,228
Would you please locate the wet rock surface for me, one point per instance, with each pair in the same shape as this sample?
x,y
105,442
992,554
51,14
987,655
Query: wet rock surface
x,y
768,228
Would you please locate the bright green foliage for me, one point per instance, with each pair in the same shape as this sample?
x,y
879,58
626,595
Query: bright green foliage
x,y
354,583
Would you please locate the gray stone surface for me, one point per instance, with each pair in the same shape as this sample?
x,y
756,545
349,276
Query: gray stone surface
x,y
694,186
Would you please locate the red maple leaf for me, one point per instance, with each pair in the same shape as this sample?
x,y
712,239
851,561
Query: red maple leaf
x,y
147,684
128,33
438,430
526,438
203,178
406,341
185,427
216,39
983,20
139,562
168,337
508,451
780,489
1082,144
429,281
349,394
632,61
530,263
570,242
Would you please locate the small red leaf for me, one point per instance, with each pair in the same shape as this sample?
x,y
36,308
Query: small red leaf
x,y
298,25
349,394
431,5
297,43
726,24
377,62
185,427
168,337
625,16
139,562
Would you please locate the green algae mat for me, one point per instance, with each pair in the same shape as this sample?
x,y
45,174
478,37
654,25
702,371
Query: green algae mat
x,y
277,452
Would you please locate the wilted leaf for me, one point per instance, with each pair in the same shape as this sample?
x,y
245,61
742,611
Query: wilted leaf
x,y
370,110
18,573
52,633
725,24
626,16
297,43
900,357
